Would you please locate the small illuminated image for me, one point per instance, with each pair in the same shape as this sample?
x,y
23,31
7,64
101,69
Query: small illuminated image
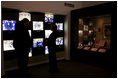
x,y
30,53
47,33
38,42
49,17
80,33
90,31
59,26
29,32
9,24
46,50
23,15
37,25
81,21
59,41
8,45
85,27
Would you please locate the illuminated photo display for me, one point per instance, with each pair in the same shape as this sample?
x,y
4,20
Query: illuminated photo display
x,y
46,50
37,25
30,53
80,33
59,41
38,42
8,45
23,15
49,17
59,26
29,32
9,25
47,33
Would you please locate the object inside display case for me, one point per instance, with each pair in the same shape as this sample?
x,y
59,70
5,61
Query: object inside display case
x,y
86,48
94,32
102,50
94,49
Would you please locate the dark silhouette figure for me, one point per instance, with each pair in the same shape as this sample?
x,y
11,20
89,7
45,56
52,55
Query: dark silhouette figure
x,y
22,44
52,49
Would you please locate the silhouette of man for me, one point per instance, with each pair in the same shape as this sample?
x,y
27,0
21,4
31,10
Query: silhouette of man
x,y
52,49
22,44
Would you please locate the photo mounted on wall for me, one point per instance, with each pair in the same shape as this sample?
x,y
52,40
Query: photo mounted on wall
x,y
85,27
80,21
38,42
46,50
8,25
23,15
90,32
107,31
30,33
80,33
49,17
59,26
37,25
59,41
47,33
8,45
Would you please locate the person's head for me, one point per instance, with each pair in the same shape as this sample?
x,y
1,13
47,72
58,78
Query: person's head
x,y
53,27
25,21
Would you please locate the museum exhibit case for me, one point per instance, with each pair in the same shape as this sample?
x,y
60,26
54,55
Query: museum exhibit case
x,y
39,31
94,34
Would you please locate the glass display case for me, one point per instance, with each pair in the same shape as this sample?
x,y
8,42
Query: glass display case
x,y
94,32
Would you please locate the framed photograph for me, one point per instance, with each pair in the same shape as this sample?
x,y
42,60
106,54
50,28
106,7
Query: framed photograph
x,y
107,31
80,33
80,21
85,27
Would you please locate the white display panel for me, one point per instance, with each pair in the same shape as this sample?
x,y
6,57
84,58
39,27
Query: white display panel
x,y
59,41
49,17
30,53
8,45
46,50
59,26
23,15
9,24
47,33
30,32
37,25
38,42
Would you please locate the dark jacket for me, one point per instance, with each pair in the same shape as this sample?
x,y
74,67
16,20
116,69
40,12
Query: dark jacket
x,y
21,37
52,42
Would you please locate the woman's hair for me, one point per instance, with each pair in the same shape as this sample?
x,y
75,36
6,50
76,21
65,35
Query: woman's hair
x,y
54,27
